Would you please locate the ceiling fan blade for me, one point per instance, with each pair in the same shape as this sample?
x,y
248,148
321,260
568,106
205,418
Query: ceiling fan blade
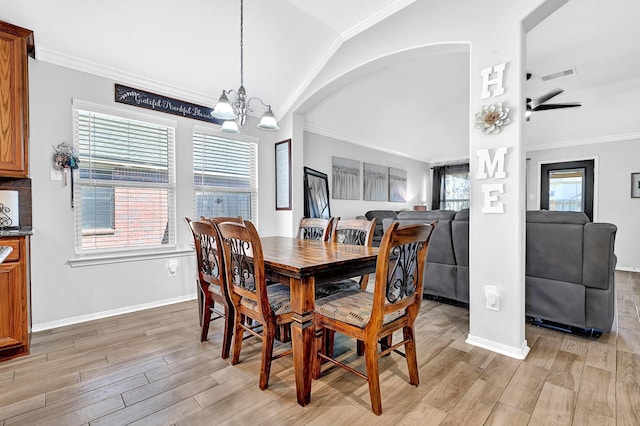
x,y
535,103
557,106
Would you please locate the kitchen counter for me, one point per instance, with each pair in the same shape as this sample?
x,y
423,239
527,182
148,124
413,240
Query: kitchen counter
x,y
16,232
4,252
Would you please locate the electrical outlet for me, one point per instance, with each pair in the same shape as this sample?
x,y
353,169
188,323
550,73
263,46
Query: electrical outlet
x,y
172,267
492,297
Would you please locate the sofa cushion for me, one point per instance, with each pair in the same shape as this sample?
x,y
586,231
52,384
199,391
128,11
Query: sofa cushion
x,y
429,215
557,301
554,251
547,216
441,243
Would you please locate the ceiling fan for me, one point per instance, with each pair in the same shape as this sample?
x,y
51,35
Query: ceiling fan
x,y
539,104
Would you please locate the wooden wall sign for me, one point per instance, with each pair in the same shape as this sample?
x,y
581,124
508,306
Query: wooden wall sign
x,y
148,100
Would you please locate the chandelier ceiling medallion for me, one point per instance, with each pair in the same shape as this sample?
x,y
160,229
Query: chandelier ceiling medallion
x,y
234,113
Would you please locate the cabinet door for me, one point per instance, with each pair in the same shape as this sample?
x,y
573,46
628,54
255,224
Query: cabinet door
x,y
13,330
14,98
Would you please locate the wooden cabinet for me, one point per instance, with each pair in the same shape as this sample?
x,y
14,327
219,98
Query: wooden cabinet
x,y
15,324
15,44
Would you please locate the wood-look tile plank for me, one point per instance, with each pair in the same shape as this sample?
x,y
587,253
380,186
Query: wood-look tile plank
x,y
629,340
628,367
543,352
500,370
86,414
475,406
423,414
566,370
601,355
8,411
24,389
164,384
156,403
446,394
80,402
171,414
555,406
628,403
523,390
123,369
596,400
503,414
6,376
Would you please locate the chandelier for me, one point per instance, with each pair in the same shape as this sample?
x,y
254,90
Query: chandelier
x,y
234,113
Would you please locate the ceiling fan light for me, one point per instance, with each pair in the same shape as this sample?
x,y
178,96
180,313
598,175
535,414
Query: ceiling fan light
x,y
223,109
268,121
230,127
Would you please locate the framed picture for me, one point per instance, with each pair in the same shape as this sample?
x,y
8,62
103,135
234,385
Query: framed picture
x,y
316,194
283,175
376,182
345,181
397,185
635,185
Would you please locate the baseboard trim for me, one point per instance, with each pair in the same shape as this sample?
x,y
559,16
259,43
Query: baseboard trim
x,y
113,312
627,268
510,351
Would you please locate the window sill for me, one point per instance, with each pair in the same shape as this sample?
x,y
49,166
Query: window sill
x,y
89,260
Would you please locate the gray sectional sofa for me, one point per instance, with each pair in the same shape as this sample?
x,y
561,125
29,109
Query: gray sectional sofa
x,y
570,265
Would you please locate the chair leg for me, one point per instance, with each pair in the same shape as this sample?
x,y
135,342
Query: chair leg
x,y
319,345
359,347
268,336
238,334
329,340
412,360
373,374
207,304
386,342
228,330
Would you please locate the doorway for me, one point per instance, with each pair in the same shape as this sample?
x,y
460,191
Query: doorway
x,y
567,186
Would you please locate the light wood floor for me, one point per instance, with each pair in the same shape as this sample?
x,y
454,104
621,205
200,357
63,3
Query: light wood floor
x,y
148,368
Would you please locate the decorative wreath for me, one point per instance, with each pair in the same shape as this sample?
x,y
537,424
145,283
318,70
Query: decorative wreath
x,y
492,118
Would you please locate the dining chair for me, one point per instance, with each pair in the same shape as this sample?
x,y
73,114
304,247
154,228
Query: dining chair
x,y
311,228
212,281
268,305
349,231
371,317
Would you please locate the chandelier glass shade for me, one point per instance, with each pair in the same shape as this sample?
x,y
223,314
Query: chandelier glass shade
x,y
234,112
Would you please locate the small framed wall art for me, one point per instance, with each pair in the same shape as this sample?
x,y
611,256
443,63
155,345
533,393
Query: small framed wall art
x,y
283,175
635,185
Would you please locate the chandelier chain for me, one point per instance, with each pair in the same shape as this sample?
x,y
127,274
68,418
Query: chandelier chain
x,y
241,43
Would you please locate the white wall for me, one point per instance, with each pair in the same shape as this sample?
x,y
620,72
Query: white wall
x,y
615,161
318,153
62,294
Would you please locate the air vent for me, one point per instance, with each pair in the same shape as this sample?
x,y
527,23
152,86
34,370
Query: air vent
x,y
570,71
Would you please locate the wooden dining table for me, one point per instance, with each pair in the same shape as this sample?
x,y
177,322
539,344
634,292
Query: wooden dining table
x,y
305,265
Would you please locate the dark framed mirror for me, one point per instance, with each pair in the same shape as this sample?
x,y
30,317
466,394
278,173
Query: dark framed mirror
x,y
316,194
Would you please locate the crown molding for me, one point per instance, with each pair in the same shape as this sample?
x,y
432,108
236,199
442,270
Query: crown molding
x,y
338,136
138,81
588,141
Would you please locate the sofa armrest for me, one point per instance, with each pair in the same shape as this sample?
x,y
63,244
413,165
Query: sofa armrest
x,y
599,259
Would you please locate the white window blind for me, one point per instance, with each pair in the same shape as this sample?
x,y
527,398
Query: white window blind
x,y
224,177
125,185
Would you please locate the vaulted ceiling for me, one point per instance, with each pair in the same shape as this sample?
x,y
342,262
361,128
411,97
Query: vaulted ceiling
x,y
190,49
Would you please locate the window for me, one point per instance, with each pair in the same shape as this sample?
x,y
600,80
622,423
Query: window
x,y
224,176
568,186
125,186
450,187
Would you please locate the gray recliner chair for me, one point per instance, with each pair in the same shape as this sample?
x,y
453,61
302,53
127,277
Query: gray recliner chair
x,y
570,265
